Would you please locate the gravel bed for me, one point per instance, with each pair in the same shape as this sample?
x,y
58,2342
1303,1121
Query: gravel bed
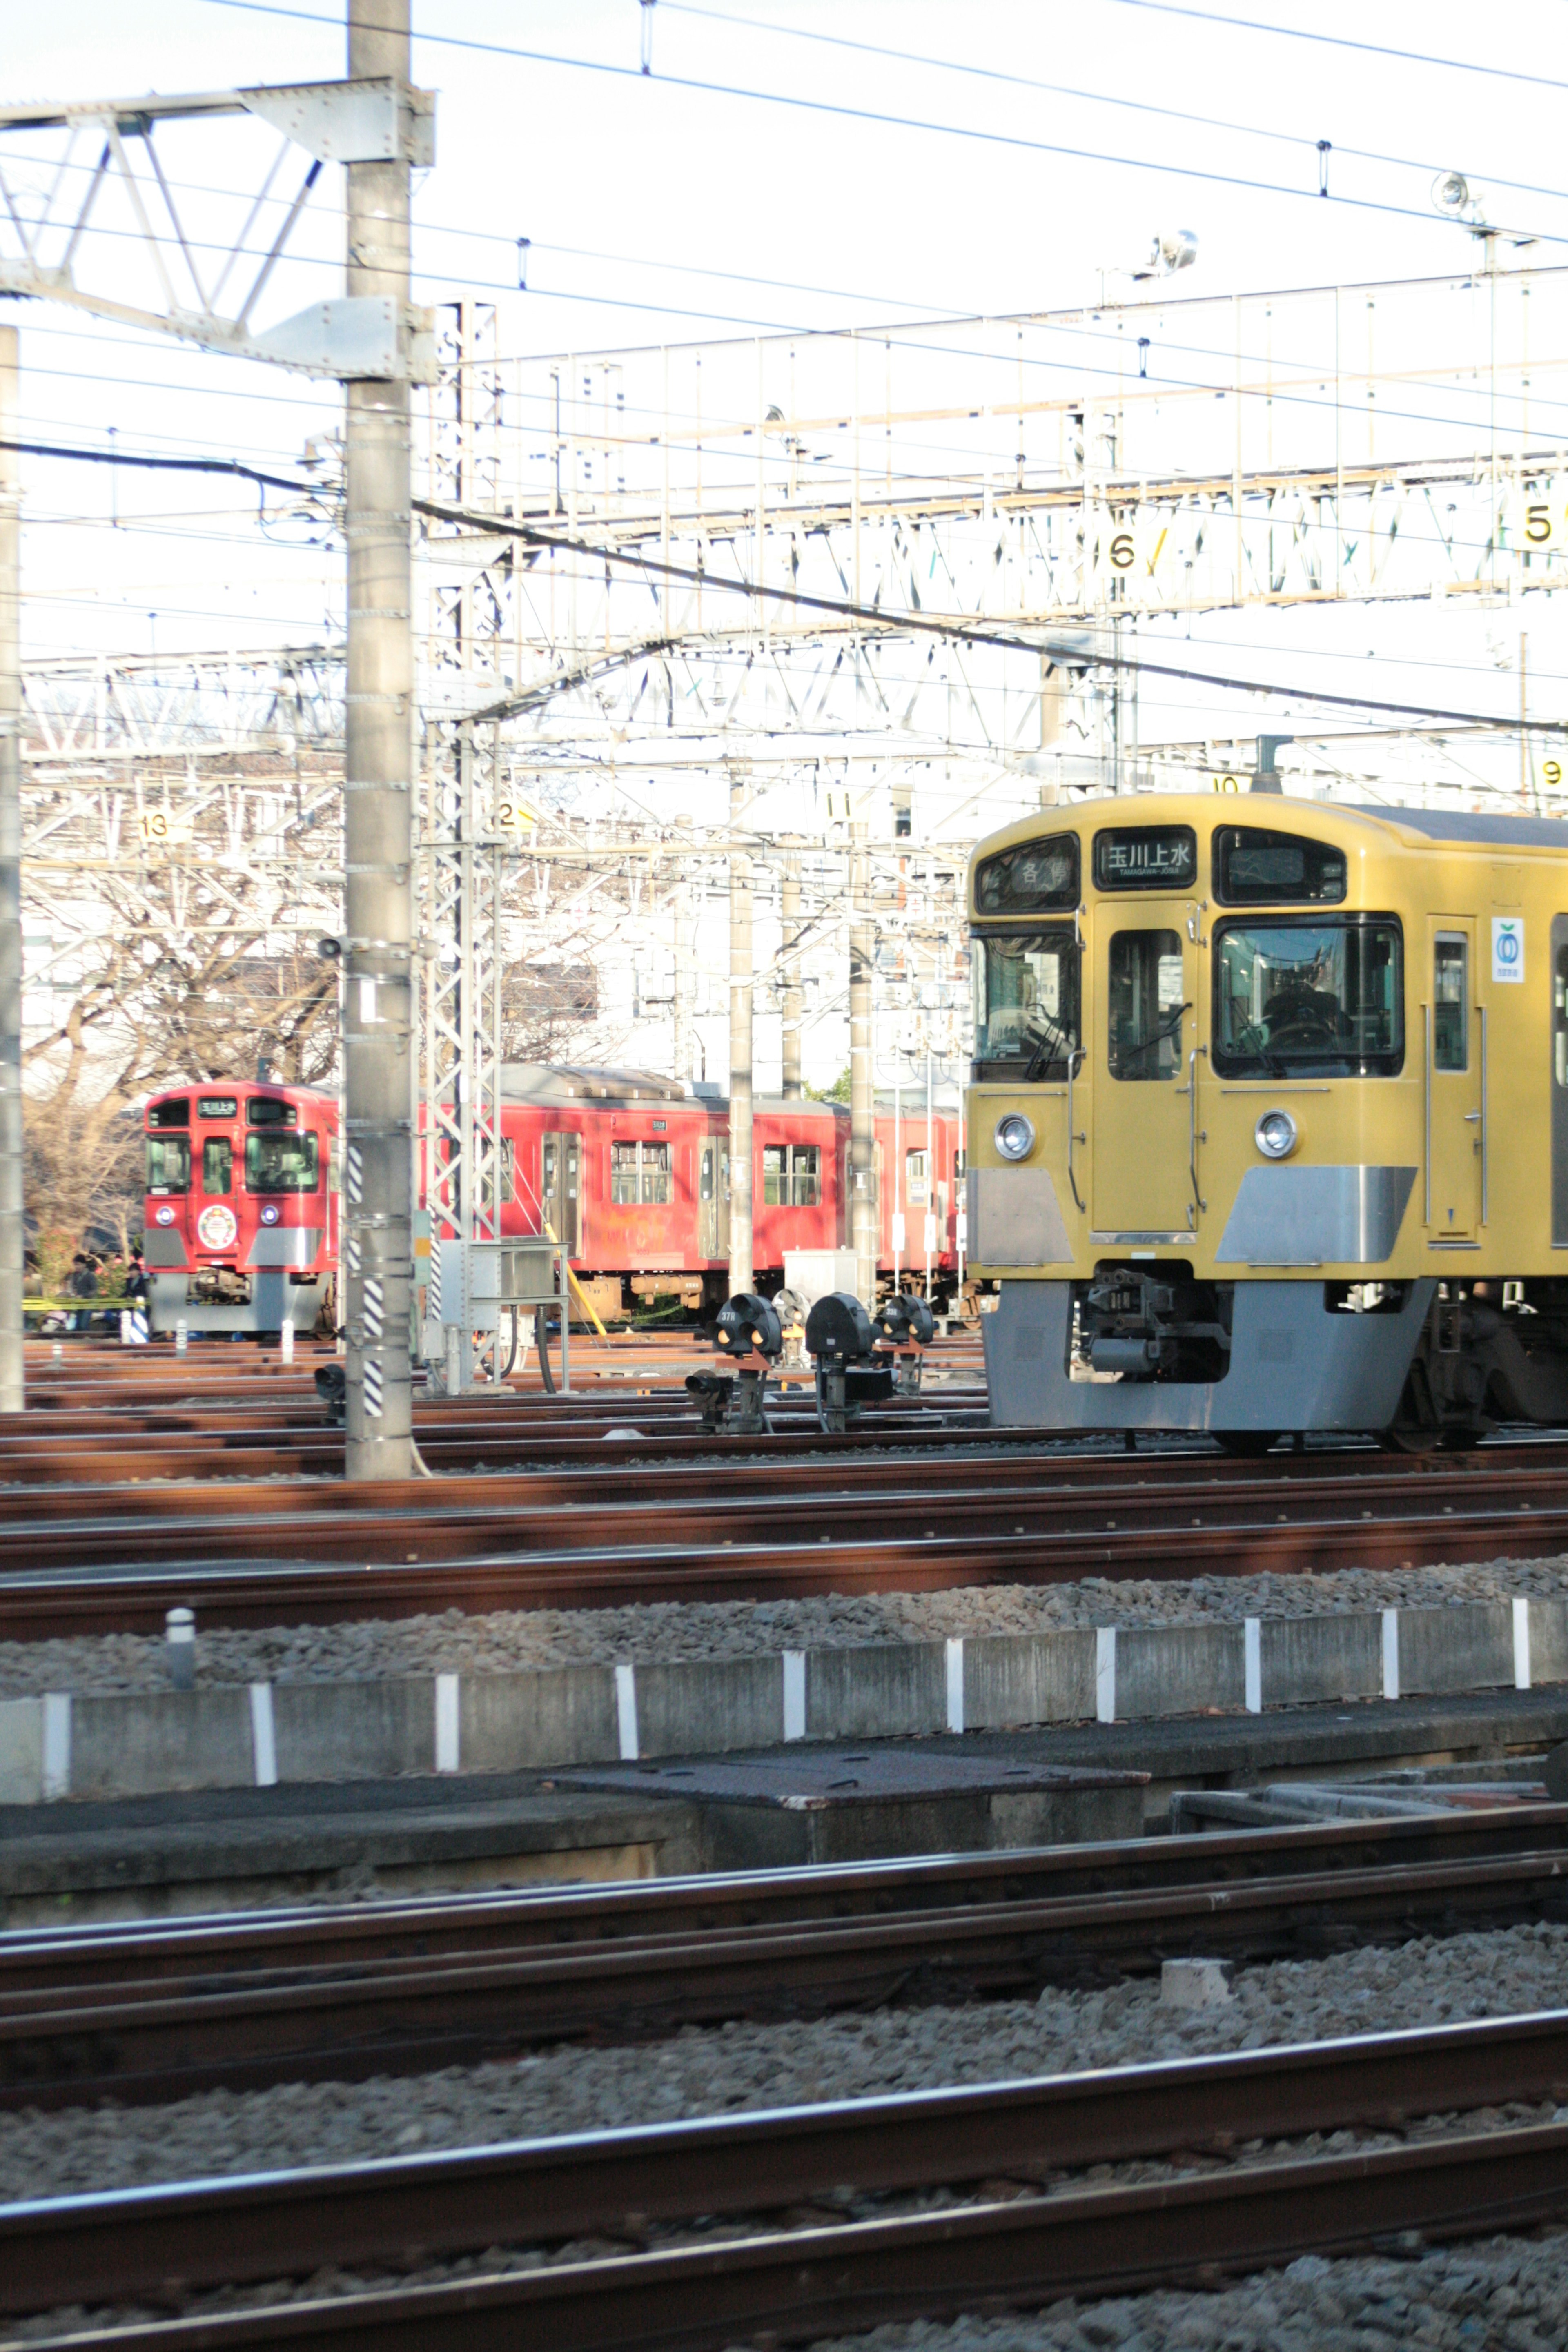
x,y
714,2071
512,1640
1490,2295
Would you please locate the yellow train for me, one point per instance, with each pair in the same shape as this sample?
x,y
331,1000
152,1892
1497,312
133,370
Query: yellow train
x,y
1268,1126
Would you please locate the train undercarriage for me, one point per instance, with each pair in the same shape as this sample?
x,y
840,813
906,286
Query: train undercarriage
x,y
1420,1364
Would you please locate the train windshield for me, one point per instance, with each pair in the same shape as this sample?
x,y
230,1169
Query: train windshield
x,y
278,1162
1309,1000
168,1163
1025,1003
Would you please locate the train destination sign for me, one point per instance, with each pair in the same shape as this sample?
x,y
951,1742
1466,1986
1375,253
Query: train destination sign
x,y
1146,857
1035,878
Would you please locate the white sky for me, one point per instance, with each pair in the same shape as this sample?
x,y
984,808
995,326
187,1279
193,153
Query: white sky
x,y
626,186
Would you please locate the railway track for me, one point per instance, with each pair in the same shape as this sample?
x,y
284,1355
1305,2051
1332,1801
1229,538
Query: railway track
x,y
254,1554
145,2014
1005,2147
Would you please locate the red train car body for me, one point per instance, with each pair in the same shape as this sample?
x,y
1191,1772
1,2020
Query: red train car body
x,y
632,1172
242,1206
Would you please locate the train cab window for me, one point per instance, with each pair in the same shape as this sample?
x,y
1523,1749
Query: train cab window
x,y
168,1163
281,1162
1254,868
1145,1004
266,1111
639,1172
1450,1010
217,1166
791,1175
176,1113
1559,1017
1025,1004
1296,998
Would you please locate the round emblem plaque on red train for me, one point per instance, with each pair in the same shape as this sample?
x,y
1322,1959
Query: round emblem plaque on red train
x,y
216,1227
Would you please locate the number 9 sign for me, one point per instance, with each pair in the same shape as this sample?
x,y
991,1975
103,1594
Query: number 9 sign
x,y
1551,773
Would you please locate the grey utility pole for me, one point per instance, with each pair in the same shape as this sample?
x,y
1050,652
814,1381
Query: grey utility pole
x,y
862,1102
740,1050
789,910
378,1244
13,1239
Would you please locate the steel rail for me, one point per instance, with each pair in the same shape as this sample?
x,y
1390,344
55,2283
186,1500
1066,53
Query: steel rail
x,y
408,2014
121,2245
80,1961
87,1575
799,2285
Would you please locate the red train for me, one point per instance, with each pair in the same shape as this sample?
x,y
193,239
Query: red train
x,y
631,1171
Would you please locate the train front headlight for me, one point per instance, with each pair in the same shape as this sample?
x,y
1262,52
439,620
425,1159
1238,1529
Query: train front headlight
x,y
1277,1135
1014,1136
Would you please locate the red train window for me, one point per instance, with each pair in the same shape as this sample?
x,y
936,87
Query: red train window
x,y
639,1172
792,1176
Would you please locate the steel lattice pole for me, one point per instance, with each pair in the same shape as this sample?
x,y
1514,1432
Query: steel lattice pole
x,y
13,1238
377,1024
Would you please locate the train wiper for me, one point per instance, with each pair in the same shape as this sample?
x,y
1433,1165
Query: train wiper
x,y
1051,1034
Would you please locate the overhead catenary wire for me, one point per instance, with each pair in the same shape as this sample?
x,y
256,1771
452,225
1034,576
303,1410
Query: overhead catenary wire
x,y
970,70
842,111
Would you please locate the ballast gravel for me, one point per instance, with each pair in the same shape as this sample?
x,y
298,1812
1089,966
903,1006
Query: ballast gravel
x,y
503,1641
739,2066
1490,2295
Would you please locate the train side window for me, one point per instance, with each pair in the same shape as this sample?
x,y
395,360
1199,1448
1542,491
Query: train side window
x,y
654,1174
217,1165
792,1176
508,1177
705,1179
915,1178
640,1172
1450,1009
1145,1004
1559,1017
169,1163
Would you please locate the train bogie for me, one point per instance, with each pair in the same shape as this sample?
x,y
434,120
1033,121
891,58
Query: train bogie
x,y
1270,1119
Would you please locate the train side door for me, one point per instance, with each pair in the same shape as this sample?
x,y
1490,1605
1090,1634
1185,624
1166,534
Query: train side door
x,y
713,1199
560,1188
1452,1037
1143,1065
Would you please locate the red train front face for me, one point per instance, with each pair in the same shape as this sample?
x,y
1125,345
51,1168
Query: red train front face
x,y
241,1216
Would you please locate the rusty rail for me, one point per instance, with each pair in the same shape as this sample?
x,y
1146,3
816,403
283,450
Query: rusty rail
x,y
129,2245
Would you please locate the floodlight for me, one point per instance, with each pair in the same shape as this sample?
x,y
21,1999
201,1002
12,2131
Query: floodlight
x,y
1451,193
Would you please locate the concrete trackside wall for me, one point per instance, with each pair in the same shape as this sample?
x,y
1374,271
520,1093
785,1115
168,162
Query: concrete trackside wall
x,y
84,1744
